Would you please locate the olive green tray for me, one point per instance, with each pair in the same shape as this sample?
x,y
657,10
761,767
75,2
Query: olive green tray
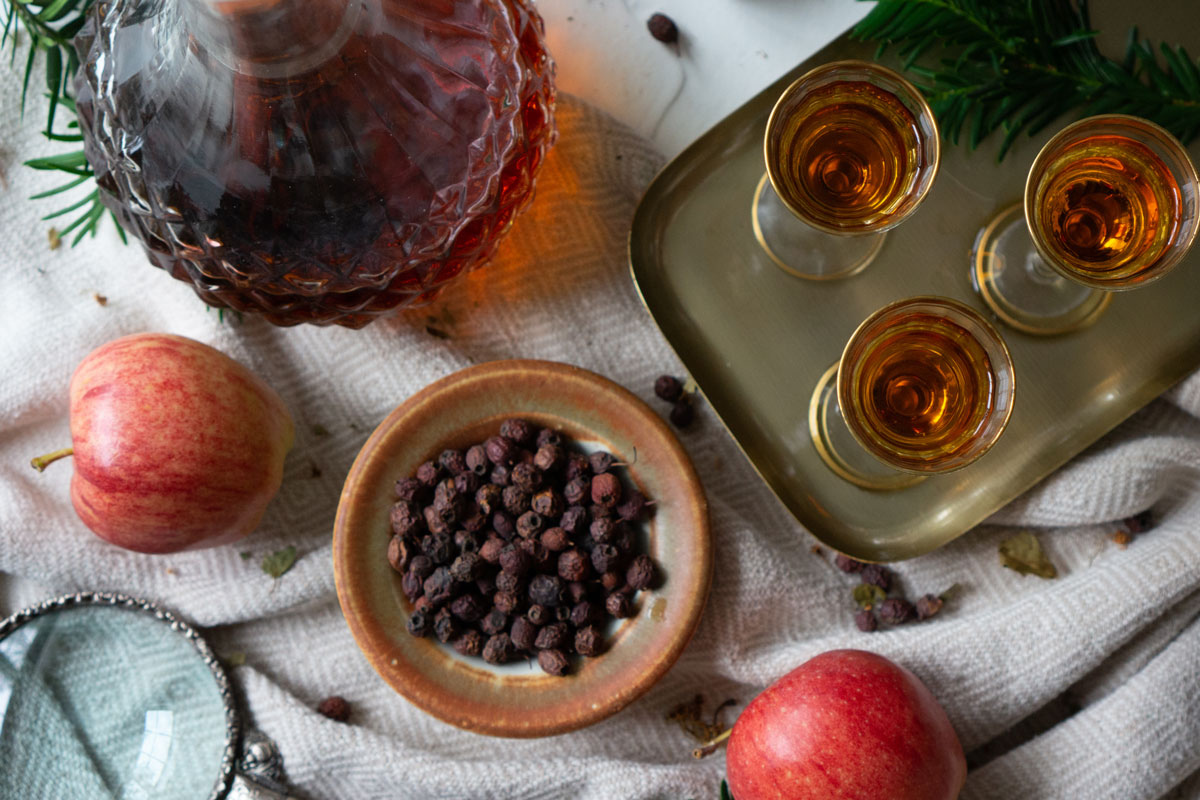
x,y
756,339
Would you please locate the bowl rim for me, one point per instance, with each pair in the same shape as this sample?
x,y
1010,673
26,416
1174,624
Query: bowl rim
x,y
373,640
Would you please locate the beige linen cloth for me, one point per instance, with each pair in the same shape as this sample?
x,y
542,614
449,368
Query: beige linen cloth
x,y
1087,686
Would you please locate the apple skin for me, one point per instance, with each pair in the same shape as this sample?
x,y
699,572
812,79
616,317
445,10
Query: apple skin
x,y
845,725
177,446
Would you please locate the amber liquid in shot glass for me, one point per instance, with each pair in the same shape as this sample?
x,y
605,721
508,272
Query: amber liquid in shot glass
x,y
925,385
851,149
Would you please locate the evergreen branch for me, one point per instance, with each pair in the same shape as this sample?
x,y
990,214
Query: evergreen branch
x,y
1016,66
51,26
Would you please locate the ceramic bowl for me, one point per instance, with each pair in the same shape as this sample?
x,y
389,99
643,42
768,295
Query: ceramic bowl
x,y
518,699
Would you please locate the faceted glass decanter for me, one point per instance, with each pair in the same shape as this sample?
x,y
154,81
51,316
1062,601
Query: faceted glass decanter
x,y
316,161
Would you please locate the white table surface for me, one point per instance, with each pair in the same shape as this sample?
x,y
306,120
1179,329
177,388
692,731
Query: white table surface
x,y
727,52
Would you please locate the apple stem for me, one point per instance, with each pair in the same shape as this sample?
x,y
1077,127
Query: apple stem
x,y
41,462
711,746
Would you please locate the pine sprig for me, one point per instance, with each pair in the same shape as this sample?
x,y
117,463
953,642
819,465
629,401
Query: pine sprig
x,y
1016,66
51,26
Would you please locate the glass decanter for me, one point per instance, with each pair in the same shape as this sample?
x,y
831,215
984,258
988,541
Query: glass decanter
x,y
316,161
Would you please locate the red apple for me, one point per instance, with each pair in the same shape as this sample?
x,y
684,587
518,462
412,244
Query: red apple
x,y
177,446
846,725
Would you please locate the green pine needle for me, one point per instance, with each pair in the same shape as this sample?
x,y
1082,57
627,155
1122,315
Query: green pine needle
x,y
50,27
1017,66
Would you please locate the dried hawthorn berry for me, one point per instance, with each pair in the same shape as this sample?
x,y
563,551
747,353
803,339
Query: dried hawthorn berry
x,y
510,582
552,636
1140,523
606,490
617,605
632,507
573,566
406,518
335,708
429,473
555,540
624,539
467,484
466,541
412,586
577,592
420,623
474,522
928,605
545,590
494,621
526,477
577,466
543,559
515,560
452,461
553,662
877,575
589,641
444,626
683,412
477,460
548,503
399,553
439,586
539,615
489,498
578,490
469,643
597,511
501,450
519,430
584,613
504,525
423,603
434,521
410,489
421,566
548,436
467,567
469,607
498,649
611,581
574,520
847,564
668,387
562,613
640,573
865,621
523,633
439,547
529,524
605,558
508,602
516,501
548,457
499,475
895,611
600,461
489,551
602,530
448,501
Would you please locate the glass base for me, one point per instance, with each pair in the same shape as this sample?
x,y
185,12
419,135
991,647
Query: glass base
x,y
801,249
1021,289
838,448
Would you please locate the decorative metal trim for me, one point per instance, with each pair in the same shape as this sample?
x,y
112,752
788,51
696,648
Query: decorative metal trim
x,y
233,724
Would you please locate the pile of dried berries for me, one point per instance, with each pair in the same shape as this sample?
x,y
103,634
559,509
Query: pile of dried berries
x,y
671,389
876,606
519,545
